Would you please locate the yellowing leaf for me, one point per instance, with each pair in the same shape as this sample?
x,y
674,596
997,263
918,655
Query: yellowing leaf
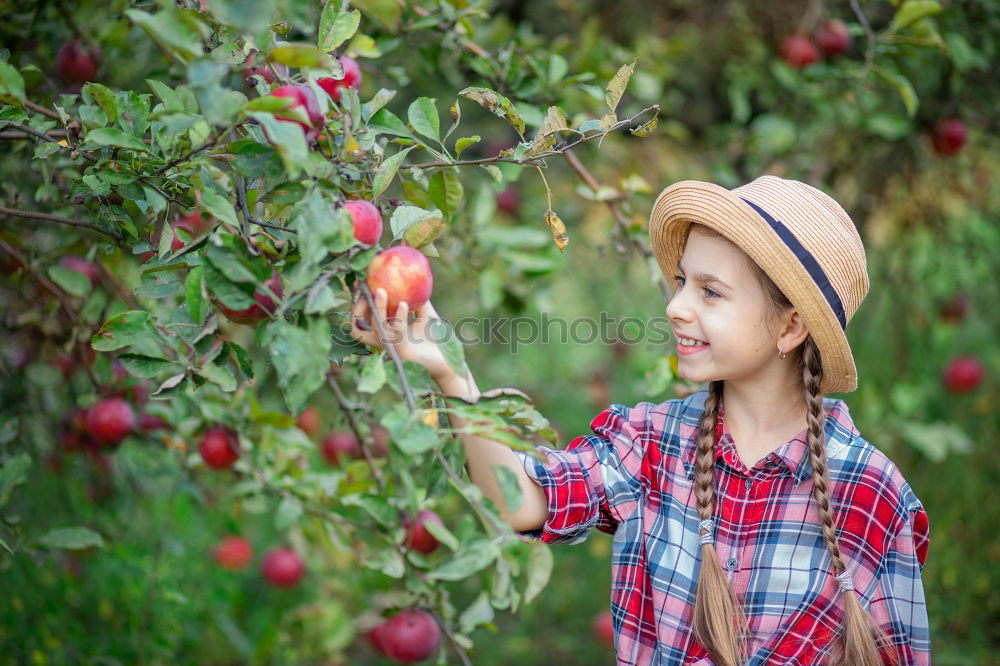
x,y
497,104
558,229
616,87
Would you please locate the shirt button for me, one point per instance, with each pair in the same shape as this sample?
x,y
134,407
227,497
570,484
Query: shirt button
x,y
748,484
731,564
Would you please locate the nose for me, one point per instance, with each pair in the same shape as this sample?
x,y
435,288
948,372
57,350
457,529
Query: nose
x,y
678,308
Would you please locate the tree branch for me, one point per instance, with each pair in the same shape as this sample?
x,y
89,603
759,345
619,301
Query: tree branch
x,y
352,422
30,214
870,36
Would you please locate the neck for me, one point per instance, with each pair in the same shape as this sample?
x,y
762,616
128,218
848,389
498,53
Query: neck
x,y
758,410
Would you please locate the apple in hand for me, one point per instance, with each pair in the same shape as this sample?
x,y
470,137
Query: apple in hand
x,y
949,136
262,309
798,51
110,421
282,567
350,79
219,448
417,536
407,637
963,374
233,552
304,109
367,220
833,38
405,274
75,63
338,444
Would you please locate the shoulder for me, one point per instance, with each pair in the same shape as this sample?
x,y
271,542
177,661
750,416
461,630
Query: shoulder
x,y
871,476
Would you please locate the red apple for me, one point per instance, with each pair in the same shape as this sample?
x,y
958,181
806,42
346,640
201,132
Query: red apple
x,y
417,536
350,79
340,443
110,421
509,200
82,266
264,307
380,441
604,629
282,567
949,136
955,310
798,51
376,638
833,38
267,72
304,110
194,224
367,220
151,422
220,447
963,374
75,63
233,552
407,637
405,274
309,420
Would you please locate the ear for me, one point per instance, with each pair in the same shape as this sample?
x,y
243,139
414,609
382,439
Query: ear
x,y
793,331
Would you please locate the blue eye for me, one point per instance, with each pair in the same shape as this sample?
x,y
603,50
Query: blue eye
x,y
709,293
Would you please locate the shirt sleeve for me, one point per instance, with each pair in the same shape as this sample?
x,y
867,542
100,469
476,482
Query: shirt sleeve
x,y
596,480
898,605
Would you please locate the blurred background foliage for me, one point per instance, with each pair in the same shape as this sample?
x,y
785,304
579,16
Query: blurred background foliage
x,y
730,110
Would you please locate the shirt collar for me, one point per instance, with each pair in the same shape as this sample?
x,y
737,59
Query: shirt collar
x,y
793,455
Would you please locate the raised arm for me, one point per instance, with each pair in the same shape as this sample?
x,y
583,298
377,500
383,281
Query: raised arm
x,y
414,343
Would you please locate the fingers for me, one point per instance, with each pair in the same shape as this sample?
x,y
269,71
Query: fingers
x,y
399,323
427,311
361,326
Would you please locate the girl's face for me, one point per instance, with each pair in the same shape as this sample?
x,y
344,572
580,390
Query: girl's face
x,y
720,303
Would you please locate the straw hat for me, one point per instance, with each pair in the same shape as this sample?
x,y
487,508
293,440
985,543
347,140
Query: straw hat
x,y
802,239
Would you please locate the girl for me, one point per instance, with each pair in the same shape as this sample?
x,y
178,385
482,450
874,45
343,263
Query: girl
x,y
752,523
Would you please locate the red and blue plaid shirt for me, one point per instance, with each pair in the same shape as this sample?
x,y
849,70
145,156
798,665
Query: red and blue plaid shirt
x,y
634,478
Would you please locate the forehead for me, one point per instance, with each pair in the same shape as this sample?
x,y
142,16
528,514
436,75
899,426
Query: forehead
x,y
709,253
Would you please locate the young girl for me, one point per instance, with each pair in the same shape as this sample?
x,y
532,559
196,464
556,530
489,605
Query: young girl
x,y
752,523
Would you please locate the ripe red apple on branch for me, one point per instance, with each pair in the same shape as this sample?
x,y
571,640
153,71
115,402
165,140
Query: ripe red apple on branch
x,y
405,274
309,420
833,38
304,109
267,72
75,63
949,136
408,637
110,421
233,552
282,567
339,445
367,220
350,79
417,535
82,266
219,448
963,375
798,51
262,309
194,224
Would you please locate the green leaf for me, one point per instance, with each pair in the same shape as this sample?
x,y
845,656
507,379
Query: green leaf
x,y
465,142
646,128
299,358
72,282
497,104
442,534
109,136
539,570
6,547
408,430
387,171
441,331
421,233
912,11
241,356
507,481
616,87
71,538
11,83
406,216
558,67
288,513
146,367
476,556
194,294
250,17
478,613
169,385
423,117
446,191
218,374
386,122
374,505
301,55
322,228
123,330
386,12
231,295
219,206
373,375
288,139
336,25
174,30
105,97
13,473
903,87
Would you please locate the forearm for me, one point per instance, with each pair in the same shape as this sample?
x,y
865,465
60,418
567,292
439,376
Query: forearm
x,y
482,453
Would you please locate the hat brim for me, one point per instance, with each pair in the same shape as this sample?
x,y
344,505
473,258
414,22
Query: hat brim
x,y
695,201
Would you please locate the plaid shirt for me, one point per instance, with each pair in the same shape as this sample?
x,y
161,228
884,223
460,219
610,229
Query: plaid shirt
x,y
634,479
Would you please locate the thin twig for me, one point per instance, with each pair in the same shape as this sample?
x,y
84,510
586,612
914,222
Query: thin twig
x,y
17,134
191,153
539,156
869,35
41,109
241,197
111,279
391,348
451,637
34,215
352,422
621,222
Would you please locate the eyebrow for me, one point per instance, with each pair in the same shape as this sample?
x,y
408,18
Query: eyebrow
x,y
704,278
